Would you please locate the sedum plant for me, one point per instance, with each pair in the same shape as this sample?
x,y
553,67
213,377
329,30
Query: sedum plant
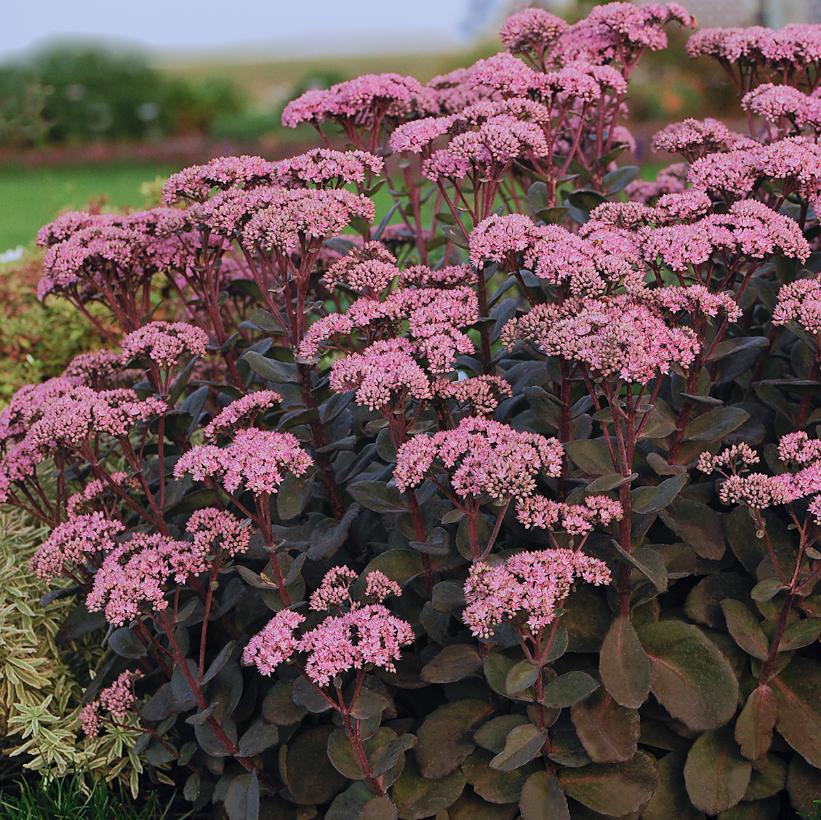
x,y
503,502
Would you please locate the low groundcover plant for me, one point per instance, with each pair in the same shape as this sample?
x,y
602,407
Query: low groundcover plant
x,y
503,502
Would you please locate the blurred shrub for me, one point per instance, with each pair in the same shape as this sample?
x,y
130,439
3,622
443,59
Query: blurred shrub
x,y
80,95
32,350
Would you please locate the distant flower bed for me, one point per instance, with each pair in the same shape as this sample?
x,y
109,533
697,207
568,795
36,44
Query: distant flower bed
x,y
502,502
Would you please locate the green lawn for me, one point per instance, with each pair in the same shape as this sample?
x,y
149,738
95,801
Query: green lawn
x,y
30,197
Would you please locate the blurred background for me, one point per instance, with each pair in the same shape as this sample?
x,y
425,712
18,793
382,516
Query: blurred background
x,y
99,100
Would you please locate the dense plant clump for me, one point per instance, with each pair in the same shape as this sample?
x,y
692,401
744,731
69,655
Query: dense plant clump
x,y
503,503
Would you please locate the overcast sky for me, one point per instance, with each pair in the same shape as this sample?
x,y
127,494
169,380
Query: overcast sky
x,y
295,26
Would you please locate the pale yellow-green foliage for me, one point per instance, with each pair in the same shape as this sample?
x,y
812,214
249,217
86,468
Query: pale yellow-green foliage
x,y
39,693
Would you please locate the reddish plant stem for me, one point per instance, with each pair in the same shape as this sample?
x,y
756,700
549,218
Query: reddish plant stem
x,y
199,697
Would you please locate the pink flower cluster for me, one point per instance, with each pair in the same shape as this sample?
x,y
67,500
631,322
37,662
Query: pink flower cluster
x,y
241,412
367,634
364,100
574,519
324,167
80,539
531,32
117,700
256,459
800,302
528,589
779,104
217,533
295,218
136,575
748,229
794,161
164,343
335,590
620,337
620,32
482,458
82,414
384,374
197,182
696,138
369,269
796,451
755,53
482,394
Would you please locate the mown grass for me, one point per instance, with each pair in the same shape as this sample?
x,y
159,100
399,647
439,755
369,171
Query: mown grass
x,y
29,197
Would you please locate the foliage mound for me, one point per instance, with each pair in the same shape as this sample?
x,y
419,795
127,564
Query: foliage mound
x,y
504,502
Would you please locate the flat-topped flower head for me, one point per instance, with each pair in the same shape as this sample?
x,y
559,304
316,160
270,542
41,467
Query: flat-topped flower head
x,y
482,394
384,374
785,107
801,458
795,162
82,414
671,179
217,533
136,575
756,54
800,302
242,412
362,634
99,369
275,644
696,300
165,344
574,519
334,591
198,182
299,217
70,223
527,589
619,33
449,276
619,337
696,138
748,230
326,168
368,269
531,32
29,403
363,101
482,457
489,150
255,459
369,636
70,544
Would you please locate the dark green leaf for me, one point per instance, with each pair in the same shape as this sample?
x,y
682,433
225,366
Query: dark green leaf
x,y
452,664
715,424
798,691
568,689
690,677
716,775
742,624
542,798
623,665
614,789
522,744
608,732
754,725
418,797
445,738
653,499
